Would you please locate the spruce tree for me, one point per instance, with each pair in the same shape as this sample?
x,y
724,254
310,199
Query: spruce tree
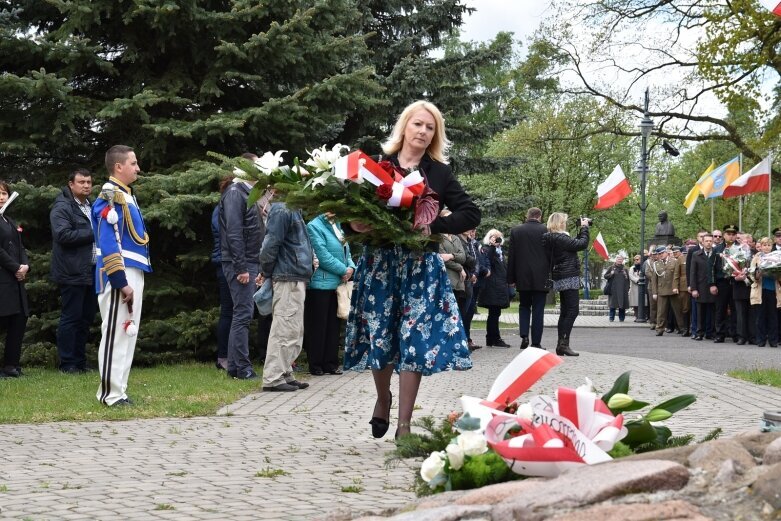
x,y
177,79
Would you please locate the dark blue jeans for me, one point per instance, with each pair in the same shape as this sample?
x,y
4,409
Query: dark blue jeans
x,y
471,309
532,307
79,305
226,314
621,314
243,308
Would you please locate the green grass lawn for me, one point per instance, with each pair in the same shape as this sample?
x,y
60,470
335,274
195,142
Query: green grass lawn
x,y
45,395
770,377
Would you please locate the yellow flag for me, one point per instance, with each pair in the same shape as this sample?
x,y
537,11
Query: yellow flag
x,y
691,198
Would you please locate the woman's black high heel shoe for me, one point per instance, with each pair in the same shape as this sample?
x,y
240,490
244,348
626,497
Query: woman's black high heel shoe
x,y
380,425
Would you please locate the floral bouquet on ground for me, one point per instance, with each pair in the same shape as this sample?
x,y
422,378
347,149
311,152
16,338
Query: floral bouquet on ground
x,y
398,209
770,264
736,259
542,437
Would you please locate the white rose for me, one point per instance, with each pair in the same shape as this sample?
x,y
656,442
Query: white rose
x,y
269,162
432,466
455,455
525,412
472,443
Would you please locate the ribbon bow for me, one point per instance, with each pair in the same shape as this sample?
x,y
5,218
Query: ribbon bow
x,y
400,190
574,429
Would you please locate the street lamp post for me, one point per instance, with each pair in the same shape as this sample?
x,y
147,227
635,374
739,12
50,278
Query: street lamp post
x,y
646,126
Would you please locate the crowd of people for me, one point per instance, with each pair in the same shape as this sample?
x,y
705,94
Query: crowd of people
x,y
410,311
689,291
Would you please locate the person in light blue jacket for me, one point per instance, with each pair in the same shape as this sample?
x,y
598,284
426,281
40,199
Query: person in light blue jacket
x,y
335,266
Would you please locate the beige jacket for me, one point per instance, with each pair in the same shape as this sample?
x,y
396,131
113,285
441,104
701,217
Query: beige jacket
x,y
756,286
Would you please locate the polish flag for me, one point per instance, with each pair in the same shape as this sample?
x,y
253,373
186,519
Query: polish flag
x,y
601,247
613,190
755,180
772,5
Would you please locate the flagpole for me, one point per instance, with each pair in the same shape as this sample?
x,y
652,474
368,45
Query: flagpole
x,y
711,215
769,191
740,199
740,213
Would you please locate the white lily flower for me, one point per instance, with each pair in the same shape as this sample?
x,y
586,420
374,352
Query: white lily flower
x,y
588,386
323,159
269,162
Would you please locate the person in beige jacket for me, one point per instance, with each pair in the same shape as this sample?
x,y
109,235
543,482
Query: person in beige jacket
x,y
765,297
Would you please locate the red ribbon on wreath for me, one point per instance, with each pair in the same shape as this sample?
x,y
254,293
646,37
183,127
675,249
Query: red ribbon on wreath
x,y
359,167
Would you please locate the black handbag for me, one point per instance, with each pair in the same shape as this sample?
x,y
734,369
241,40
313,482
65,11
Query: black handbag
x,y
608,287
549,281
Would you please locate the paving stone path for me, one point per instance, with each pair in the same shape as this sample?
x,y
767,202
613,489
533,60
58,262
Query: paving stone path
x,y
290,456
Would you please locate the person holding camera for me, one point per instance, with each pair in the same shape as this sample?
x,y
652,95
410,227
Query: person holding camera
x,y
566,272
494,295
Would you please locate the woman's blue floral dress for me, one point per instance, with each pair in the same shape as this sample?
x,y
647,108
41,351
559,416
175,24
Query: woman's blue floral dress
x,y
404,312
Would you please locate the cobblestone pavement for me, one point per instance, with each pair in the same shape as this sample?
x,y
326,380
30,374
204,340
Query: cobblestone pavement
x,y
299,455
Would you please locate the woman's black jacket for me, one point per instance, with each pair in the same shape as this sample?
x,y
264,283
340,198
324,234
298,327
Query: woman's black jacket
x,y
564,252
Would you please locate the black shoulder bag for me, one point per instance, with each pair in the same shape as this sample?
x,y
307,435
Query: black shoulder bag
x,y
549,281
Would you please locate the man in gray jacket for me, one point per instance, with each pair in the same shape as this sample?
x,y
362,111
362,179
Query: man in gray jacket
x,y
286,258
240,240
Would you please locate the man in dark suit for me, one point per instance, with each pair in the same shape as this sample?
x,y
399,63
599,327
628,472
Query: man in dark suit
x,y
725,314
692,249
702,281
528,267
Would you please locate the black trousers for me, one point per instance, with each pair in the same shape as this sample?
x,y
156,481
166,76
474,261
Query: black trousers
x,y
740,310
14,326
321,329
79,305
723,307
569,309
704,310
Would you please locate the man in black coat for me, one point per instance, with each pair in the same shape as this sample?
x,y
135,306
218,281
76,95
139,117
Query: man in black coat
x,y
528,268
704,265
73,269
725,314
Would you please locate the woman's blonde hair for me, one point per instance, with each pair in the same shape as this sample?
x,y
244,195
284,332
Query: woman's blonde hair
x,y
557,222
491,233
439,143
765,241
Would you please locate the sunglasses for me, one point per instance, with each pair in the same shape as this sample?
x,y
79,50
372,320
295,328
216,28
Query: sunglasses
x,y
717,236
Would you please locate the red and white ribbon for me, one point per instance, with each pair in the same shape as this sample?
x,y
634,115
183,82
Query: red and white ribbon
x,y
520,374
357,167
574,429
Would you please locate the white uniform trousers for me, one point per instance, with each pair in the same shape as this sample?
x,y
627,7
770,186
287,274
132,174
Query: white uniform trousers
x,y
115,355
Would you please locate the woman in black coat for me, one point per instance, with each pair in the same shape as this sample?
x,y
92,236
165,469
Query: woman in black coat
x,y
565,273
13,304
494,292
